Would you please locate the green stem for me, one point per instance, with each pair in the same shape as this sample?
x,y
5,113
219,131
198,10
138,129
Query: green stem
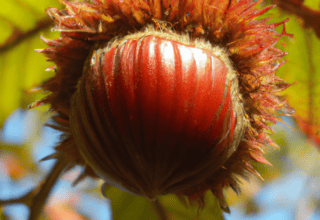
x,y
311,86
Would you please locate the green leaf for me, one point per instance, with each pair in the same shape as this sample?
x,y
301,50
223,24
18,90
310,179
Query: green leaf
x,y
21,67
303,70
126,206
179,211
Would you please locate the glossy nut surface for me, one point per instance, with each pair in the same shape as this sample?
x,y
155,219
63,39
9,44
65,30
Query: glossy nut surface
x,y
154,116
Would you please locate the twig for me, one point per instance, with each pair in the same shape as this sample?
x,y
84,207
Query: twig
x,y
160,211
310,17
40,199
18,36
26,199
311,132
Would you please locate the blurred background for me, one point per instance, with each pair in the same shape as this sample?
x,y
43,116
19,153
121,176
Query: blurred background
x,y
290,190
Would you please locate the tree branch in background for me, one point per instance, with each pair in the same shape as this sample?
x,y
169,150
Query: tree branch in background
x,y
310,17
25,199
18,36
41,197
36,198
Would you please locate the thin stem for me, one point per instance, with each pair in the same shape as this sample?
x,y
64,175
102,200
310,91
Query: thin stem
x,y
18,36
25,199
310,17
41,197
311,86
160,211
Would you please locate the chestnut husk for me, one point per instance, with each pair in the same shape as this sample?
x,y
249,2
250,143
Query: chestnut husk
x,y
247,42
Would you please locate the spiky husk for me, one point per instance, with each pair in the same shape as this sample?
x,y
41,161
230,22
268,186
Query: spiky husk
x,y
232,25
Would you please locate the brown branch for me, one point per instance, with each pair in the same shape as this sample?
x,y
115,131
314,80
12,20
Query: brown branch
x,y
25,199
160,211
18,36
310,17
36,198
41,197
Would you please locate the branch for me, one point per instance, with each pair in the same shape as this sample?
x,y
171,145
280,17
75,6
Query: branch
x,y
36,198
26,199
310,17
41,197
160,211
18,36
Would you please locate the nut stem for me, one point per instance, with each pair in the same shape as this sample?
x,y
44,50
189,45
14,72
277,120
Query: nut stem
x,y
160,211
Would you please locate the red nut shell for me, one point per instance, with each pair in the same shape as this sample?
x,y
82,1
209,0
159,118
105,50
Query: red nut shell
x,y
154,116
